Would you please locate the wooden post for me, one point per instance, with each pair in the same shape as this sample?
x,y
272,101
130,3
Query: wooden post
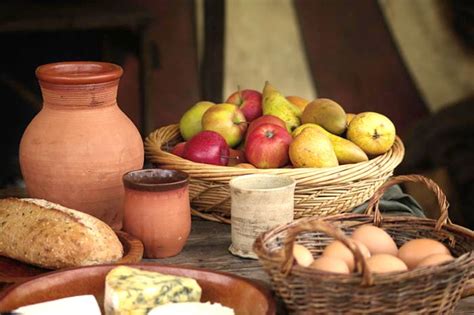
x,y
212,68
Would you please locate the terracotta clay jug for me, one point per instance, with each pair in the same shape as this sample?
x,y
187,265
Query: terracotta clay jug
x,y
76,149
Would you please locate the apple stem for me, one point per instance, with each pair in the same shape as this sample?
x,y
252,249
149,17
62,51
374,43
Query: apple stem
x,y
241,100
269,134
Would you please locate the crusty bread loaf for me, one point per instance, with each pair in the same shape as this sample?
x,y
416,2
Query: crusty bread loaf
x,y
51,236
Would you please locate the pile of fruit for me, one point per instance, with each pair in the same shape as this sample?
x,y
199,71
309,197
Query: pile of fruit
x,y
268,130
379,250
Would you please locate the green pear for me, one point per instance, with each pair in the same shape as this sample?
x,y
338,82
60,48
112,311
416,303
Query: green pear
x,y
275,104
312,148
346,151
326,113
190,122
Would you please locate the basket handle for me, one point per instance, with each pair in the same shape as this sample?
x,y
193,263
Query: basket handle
x,y
330,230
373,205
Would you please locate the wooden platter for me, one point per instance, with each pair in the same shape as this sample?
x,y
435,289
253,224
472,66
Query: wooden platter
x,y
244,296
13,271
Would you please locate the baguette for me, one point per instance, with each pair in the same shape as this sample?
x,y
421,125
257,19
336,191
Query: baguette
x,y
51,236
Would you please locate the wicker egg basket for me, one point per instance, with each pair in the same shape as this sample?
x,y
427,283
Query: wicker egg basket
x,y
319,191
427,290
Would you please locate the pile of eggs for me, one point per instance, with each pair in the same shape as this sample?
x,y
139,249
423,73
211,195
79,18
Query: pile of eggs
x,y
379,250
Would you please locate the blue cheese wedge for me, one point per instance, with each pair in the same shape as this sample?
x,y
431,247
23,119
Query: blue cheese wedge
x,y
133,291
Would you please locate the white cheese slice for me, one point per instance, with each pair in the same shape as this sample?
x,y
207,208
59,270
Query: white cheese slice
x,y
191,308
74,305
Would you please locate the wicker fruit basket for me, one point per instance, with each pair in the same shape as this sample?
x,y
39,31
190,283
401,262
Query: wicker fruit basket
x,y
428,290
322,191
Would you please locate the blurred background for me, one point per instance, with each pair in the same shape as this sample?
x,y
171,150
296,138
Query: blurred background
x,y
411,60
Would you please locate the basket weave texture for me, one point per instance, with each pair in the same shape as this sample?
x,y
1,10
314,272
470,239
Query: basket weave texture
x,y
428,290
319,191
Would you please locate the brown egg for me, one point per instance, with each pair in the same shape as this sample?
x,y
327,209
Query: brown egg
x,y
377,240
302,255
436,259
414,251
330,264
337,249
382,263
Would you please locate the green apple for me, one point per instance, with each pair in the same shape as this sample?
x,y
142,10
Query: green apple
x,y
227,120
190,123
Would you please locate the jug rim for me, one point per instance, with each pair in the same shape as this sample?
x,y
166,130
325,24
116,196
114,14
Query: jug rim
x,y
78,72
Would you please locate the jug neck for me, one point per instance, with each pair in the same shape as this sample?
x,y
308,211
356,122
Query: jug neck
x,y
89,96
79,84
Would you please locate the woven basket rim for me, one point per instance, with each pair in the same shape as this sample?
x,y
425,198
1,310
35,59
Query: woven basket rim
x,y
356,171
263,253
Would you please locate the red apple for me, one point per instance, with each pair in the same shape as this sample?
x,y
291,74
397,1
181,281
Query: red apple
x,y
236,157
265,119
249,101
227,120
267,146
178,149
207,147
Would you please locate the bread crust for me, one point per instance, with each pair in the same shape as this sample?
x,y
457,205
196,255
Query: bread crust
x,y
51,236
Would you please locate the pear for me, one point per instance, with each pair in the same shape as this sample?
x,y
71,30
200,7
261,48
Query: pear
x,y
346,151
190,122
312,148
372,132
326,113
298,101
349,117
275,104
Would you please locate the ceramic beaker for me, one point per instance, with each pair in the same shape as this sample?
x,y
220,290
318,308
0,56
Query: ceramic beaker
x,y
157,210
258,203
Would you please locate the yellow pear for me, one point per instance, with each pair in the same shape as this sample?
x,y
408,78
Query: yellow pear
x,y
298,101
346,151
349,117
312,148
275,104
326,113
372,132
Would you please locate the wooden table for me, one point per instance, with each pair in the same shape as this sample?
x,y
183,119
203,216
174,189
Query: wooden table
x,y
207,247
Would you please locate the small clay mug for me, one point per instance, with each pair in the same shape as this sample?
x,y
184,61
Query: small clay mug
x,y
258,203
157,210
